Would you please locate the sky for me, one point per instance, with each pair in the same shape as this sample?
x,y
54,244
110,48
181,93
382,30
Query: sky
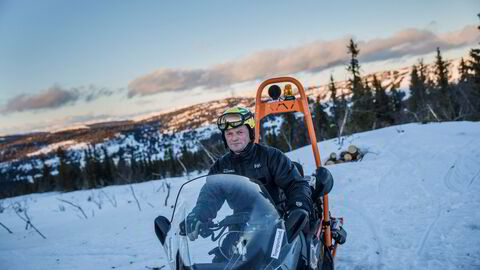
x,y
66,63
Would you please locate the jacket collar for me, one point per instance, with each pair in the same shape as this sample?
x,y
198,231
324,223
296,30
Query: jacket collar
x,y
245,154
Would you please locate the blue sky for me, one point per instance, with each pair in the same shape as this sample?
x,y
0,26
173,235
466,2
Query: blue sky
x,y
68,62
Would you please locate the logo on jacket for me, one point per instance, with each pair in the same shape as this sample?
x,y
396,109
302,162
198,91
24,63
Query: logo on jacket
x,y
228,171
257,165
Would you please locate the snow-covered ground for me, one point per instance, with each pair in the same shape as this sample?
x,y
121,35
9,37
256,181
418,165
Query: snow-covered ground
x,y
411,203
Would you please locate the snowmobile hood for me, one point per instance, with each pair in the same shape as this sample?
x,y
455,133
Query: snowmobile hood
x,y
246,232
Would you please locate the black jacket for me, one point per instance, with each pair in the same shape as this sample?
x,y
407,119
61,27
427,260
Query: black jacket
x,y
266,164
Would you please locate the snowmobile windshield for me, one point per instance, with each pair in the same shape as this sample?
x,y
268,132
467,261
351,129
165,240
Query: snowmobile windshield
x,y
245,230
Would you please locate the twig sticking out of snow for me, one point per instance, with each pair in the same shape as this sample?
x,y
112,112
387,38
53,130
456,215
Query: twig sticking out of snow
x,y
74,205
6,228
98,202
183,166
207,152
168,192
112,200
433,113
134,196
18,209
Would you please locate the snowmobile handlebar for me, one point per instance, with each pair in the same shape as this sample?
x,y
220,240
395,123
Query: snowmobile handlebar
x,y
209,228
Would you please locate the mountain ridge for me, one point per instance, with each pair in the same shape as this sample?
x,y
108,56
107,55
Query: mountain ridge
x,y
17,146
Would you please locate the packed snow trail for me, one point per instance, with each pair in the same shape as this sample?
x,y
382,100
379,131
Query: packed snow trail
x,y
412,203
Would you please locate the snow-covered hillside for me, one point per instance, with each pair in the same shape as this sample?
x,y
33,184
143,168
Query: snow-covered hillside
x,y
411,203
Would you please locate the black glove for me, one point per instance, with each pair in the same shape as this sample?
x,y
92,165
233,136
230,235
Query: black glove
x,y
193,226
296,220
323,182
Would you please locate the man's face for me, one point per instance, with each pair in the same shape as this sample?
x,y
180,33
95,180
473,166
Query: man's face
x,y
237,138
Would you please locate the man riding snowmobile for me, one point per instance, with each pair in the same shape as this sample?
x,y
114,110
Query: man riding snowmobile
x,y
290,192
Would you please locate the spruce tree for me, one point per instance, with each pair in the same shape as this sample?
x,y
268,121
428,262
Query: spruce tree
x,y
354,69
414,102
474,67
98,168
362,109
64,180
47,182
382,107
397,106
463,71
465,95
123,170
335,107
87,175
323,128
107,167
417,102
444,96
474,63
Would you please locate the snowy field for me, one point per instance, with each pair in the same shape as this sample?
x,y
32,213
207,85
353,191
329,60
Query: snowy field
x,y
412,203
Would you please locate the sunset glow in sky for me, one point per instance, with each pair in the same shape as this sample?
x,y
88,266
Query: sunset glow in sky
x,y
64,63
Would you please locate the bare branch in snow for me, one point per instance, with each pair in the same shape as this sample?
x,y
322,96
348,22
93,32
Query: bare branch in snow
x,y
18,209
6,228
93,198
183,166
112,200
134,196
286,140
168,185
344,122
207,152
433,113
74,205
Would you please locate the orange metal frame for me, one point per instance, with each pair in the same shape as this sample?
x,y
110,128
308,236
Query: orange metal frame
x,y
263,109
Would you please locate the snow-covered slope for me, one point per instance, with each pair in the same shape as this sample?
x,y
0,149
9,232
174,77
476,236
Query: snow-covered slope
x,y
411,203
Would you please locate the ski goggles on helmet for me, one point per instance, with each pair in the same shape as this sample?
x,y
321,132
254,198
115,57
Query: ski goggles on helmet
x,y
233,120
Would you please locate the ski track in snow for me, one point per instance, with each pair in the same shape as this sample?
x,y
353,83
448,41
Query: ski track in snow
x,y
378,251
455,179
421,246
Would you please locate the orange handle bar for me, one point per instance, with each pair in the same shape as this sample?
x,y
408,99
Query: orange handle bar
x,y
263,109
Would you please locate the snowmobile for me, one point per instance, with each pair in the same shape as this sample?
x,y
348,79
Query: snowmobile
x,y
259,238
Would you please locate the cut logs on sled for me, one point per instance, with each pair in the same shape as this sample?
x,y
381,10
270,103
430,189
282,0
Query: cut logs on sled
x,y
352,154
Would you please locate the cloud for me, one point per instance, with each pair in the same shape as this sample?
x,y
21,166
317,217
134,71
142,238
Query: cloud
x,y
58,123
412,42
312,57
55,97
94,93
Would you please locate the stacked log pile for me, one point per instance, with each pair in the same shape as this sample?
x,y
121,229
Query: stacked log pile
x,y
352,153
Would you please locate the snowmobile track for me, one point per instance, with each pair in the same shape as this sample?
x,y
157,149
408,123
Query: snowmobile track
x,y
374,236
455,179
421,246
